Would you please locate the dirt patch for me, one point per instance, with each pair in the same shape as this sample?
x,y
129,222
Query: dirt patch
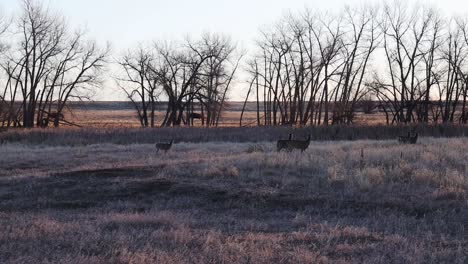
x,y
97,188
112,172
81,189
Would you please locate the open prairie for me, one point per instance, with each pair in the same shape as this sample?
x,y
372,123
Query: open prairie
x,y
212,132
65,201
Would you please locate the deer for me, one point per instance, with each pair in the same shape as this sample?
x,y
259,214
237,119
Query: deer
x,y
195,116
55,117
291,144
164,146
282,144
408,139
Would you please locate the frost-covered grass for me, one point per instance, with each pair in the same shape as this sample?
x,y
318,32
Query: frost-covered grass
x,y
219,202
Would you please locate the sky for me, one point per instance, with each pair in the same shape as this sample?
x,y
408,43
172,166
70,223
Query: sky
x,y
125,23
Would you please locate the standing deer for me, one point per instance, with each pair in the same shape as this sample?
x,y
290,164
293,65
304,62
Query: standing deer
x,y
408,139
282,144
290,144
55,117
164,146
195,116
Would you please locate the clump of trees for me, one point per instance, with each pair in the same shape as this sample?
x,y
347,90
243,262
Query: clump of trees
x,y
44,65
313,69
310,68
192,78
425,78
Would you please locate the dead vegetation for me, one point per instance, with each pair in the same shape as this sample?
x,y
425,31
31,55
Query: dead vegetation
x,y
338,202
164,146
127,136
290,145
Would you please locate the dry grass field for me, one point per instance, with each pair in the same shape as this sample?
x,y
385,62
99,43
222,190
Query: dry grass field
x,y
123,114
225,202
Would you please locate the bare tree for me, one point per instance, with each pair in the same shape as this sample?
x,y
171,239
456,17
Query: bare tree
x,y
140,83
309,62
463,26
47,66
407,33
4,107
454,55
191,76
312,68
360,42
179,75
216,75
73,73
4,24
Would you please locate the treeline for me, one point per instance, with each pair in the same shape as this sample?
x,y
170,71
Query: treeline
x,y
44,65
313,69
308,69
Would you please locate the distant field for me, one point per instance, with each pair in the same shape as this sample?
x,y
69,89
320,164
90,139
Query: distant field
x,y
218,202
122,114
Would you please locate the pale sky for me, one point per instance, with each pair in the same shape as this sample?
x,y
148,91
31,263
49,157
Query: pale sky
x,y
125,23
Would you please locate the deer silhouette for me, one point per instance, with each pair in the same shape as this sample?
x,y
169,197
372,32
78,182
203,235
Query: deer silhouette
x,y
195,116
55,117
410,138
283,144
291,144
164,146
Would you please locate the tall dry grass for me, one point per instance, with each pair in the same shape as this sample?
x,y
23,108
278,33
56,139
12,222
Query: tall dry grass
x,y
87,136
221,202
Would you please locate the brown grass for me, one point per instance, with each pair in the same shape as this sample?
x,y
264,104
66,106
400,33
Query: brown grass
x,y
121,114
126,136
120,118
235,203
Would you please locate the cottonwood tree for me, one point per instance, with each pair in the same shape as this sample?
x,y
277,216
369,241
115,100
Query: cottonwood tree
x,y
463,72
310,68
140,83
359,43
425,56
426,65
197,74
48,65
270,70
313,69
191,76
180,77
4,23
215,77
452,86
